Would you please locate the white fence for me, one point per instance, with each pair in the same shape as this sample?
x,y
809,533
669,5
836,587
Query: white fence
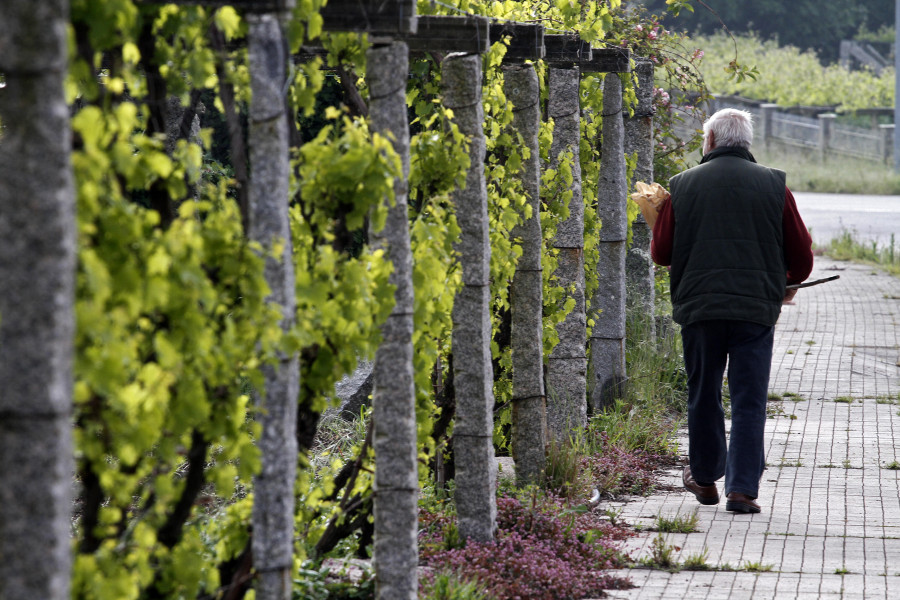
x,y
818,130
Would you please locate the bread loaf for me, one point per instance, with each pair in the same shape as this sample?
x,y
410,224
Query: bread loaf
x,y
649,198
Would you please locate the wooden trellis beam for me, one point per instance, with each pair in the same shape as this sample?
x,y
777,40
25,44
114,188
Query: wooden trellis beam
x,y
384,17
526,40
608,60
566,49
309,51
432,33
469,34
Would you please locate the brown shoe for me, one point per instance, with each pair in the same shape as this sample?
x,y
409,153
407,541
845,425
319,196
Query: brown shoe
x,y
706,494
742,503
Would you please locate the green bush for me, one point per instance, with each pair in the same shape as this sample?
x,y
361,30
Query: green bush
x,y
790,76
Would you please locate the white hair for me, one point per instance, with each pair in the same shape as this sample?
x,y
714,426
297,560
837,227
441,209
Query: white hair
x,y
730,127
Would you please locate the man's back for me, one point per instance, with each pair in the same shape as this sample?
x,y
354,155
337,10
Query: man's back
x,y
728,257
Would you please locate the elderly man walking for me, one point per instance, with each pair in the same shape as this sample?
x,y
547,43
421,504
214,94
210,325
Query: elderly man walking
x,y
731,233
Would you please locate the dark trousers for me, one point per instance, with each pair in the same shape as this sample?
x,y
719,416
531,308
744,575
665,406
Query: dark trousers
x,y
747,349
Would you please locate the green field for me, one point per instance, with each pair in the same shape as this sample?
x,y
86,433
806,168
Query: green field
x,y
790,76
807,172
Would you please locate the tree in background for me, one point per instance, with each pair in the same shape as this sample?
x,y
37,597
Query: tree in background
x,y
802,23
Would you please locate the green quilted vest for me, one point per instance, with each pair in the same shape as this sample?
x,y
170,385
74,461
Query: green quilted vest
x,y
728,252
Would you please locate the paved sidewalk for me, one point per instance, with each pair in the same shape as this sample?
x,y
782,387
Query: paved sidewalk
x,y
830,521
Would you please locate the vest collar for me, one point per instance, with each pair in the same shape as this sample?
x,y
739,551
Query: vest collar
x,y
727,151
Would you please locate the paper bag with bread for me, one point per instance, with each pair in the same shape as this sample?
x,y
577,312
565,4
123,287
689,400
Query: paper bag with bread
x,y
649,198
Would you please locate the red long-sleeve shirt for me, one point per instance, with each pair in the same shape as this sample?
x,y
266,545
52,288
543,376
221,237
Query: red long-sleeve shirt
x,y
797,242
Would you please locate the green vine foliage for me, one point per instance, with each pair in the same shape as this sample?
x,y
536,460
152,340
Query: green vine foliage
x,y
343,177
438,164
172,322
172,326
789,76
172,319
506,198
343,294
555,196
507,207
601,23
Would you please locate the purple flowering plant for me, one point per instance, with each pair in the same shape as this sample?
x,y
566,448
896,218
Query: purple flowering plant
x,y
617,471
543,550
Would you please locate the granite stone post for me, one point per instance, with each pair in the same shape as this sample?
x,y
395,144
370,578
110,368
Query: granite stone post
x,y
886,142
764,135
567,368
273,505
639,139
826,126
529,411
607,345
37,317
473,376
393,396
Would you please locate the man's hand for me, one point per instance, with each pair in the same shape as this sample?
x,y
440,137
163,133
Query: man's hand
x,y
789,296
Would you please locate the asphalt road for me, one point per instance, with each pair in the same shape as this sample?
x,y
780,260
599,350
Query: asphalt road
x,y
870,218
